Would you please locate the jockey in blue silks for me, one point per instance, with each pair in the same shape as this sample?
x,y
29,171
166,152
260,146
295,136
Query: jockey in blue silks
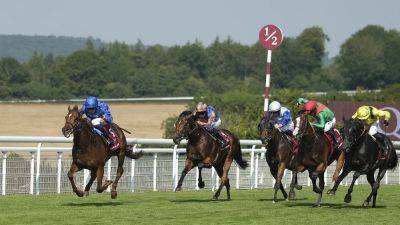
x,y
213,121
282,117
100,116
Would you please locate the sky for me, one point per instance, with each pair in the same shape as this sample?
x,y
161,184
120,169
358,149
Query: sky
x,y
172,22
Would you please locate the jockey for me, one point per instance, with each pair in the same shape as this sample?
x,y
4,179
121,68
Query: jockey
x,y
100,116
210,120
370,116
325,117
282,116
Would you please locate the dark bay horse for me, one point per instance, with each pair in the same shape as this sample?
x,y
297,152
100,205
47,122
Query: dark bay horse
x,y
364,157
90,151
204,150
279,156
315,155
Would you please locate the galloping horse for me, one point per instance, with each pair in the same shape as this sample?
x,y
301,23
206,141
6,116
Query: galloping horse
x,y
90,151
364,157
315,155
279,156
203,150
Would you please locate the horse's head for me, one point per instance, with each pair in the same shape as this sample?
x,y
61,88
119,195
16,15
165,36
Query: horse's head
x,y
351,131
305,128
266,128
184,126
72,120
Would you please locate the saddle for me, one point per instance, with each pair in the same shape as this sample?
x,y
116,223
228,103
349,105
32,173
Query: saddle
x,y
339,141
110,137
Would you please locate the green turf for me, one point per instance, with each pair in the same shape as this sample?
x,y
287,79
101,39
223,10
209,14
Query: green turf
x,y
247,207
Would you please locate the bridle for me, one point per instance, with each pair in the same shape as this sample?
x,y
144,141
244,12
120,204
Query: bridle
x,y
187,134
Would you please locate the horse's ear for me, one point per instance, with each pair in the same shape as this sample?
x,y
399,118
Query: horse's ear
x,y
69,108
75,107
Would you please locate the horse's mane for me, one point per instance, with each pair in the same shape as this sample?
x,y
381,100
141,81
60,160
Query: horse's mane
x,y
186,113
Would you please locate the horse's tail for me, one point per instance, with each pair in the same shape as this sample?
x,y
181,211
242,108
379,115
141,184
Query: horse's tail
x,y
127,131
237,155
393,159
132,154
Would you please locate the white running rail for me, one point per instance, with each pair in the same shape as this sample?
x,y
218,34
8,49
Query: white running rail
x,y
254,177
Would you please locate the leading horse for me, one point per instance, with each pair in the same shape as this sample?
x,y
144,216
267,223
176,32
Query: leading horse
x,y
90,151
202,149
364,157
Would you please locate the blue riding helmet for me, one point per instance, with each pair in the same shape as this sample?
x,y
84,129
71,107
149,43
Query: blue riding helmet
x,y
91,102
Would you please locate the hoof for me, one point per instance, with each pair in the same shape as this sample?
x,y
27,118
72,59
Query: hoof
x,y
215,198
178,189
292,196
316,206
273,201
201,184
331,192
347,198
229,199
113,194
86,193
298,187
80,193
365,204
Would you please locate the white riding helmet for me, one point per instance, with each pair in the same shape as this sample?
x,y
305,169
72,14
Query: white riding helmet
x,y
274,106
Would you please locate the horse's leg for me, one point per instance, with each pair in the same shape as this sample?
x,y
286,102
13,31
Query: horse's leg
x,y
100,174
278,181
345,172
339,166
71,176
347,198
274,171
371,181
200,180
321,188
120,171
293,185
375,188
296,182
188,167
89,184
223,174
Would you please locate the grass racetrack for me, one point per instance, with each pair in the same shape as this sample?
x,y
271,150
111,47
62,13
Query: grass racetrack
x,y
246,207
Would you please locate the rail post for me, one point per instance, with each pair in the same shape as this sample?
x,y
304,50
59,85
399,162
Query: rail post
x,y
4,174
174,168
133,171
109,173
237,177
32,173
39,148
59,157
256,172
155,172
252,166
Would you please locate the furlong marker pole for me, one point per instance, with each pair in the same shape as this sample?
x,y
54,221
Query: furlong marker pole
x,y
267,80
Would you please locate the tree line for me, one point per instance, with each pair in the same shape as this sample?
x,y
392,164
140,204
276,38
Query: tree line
x,y
369,59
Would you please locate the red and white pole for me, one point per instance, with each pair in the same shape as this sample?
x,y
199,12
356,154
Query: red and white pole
x,y
270,37
267,80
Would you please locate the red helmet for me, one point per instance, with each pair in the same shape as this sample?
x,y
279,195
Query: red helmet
x,y
310,106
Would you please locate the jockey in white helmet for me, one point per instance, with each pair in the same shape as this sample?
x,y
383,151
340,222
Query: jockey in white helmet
x,y
282,117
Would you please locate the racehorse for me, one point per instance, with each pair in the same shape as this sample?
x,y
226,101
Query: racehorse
x,y
279,155
90,151
203,150
364,157
315,155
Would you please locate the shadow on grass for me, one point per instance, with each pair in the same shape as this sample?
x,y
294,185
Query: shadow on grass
x,y
97,204
198,200
333,205
280,200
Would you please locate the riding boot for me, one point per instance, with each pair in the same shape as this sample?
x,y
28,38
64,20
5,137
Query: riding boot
x,y
382,144
218,136
111,137
331,133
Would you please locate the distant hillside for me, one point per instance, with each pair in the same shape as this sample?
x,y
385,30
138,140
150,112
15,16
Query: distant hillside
x,y
22,47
